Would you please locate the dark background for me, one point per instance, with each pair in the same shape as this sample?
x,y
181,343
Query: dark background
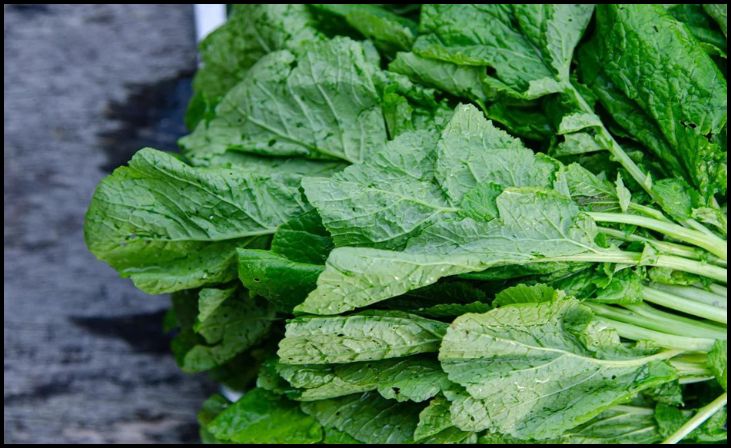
x,y
85,356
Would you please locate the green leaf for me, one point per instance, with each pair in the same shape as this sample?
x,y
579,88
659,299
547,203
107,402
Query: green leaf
x,y
318,381
269,378
526,294
624,111
435,425
673,67
250,32
384,200
718,362
399,191
406,379
620,424
677,198
532,225
336,437
457,80
529,123
471,151
211,408
322,105
624,196
169,226
303,238
712,216
263,417
527,47
719,13
210,300
414,378
388,31
367,418
229,323
567,369
450,310
283,282
359,337
623,287
669,393
704,28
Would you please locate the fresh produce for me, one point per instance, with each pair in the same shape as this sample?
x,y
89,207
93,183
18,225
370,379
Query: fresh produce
x,y
444,224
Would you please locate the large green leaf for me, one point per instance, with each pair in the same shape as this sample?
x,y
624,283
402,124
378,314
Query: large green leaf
x,y
620,424
367,417
458,80
285,274
322,104
535,370
435,425
280,280
413,378
678,85
532,225
228,323
263,417
250,32
528,48
719,13
169,226
704,28
388,31
384,200
400,190
366,336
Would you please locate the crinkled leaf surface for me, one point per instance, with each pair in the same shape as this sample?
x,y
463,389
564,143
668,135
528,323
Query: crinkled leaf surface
x,y
263,417
170,226
322,104
527,47
369,335
387,30
367,417
413,378
250,32
532,225
671,67
620,424
535,370
228,323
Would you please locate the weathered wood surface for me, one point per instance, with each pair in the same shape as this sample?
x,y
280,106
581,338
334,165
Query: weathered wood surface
x,y
85,358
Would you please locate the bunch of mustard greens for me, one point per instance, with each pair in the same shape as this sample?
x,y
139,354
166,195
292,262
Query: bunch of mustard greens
x,y
444,224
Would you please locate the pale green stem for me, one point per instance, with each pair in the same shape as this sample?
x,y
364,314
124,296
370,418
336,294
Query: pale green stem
x,y
665,247
712,244
695,379
629,331
684,305
666,261
679,325
669,326
718,289
694,294
693,224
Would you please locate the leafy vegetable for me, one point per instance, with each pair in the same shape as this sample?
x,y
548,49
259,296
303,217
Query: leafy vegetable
x,y
444,224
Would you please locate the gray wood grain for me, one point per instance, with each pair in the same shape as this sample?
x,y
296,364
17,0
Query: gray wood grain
x,y
85,358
